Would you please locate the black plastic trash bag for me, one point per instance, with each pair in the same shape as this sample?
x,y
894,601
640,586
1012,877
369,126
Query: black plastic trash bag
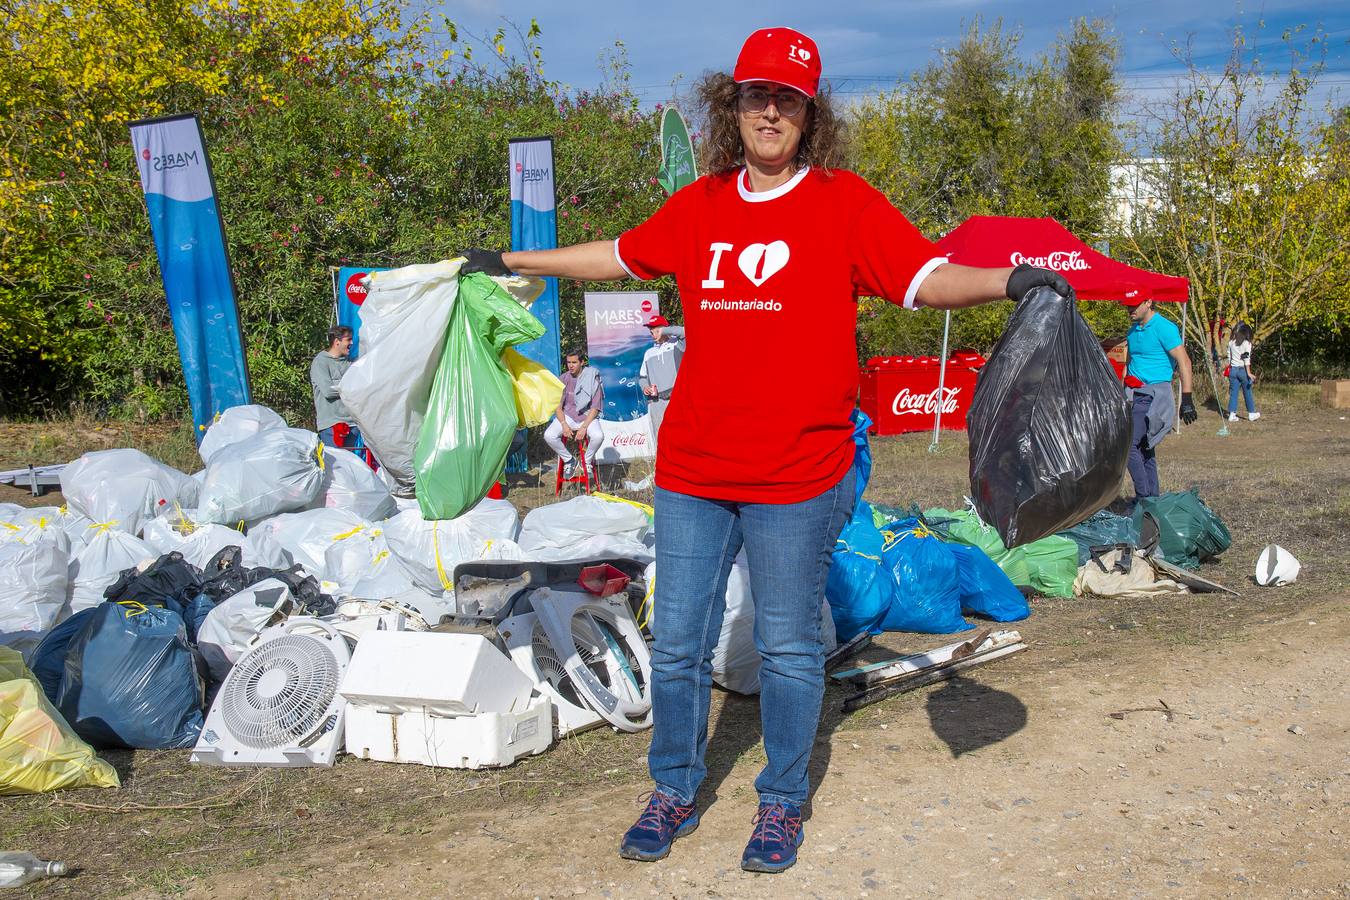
x,y
1049,430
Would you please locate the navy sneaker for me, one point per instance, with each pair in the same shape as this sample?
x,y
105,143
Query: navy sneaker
x,y
657,828
774,842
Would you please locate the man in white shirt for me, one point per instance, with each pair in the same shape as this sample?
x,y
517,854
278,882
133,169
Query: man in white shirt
x,y
660,365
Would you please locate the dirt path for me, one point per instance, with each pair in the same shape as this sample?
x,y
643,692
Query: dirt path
x,y
1015,781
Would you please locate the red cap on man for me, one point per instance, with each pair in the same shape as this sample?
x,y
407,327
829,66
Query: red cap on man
x,y
782,56
657,322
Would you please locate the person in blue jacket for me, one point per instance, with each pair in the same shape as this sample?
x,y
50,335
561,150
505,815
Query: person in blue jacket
x,y
1156,353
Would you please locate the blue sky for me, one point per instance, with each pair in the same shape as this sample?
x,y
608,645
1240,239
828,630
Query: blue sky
x,y
867,44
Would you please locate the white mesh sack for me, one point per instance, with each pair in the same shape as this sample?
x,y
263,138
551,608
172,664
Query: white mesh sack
x,y
275,471
236,424
124,487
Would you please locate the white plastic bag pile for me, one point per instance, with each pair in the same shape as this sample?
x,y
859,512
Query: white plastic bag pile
x,y
237,424
124,487
585,527
275,471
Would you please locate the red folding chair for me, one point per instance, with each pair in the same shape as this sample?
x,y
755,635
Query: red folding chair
x,y
583,470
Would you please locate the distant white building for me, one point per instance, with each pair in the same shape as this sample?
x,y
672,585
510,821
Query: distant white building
x,y
1135,189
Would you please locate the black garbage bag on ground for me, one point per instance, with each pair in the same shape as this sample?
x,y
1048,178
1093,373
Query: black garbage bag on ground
x,y
169,581
1049,429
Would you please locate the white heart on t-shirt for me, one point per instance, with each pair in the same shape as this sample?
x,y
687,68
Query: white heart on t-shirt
x,y
759,262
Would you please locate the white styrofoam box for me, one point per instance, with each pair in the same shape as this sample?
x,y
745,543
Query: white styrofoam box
x,y
486,740
427,671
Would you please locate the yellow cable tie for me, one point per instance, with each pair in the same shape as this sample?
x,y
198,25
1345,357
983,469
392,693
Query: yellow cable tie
x,y
347,534
446,583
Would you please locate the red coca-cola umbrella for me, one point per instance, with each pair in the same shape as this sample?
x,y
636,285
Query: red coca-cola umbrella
x,y
998,241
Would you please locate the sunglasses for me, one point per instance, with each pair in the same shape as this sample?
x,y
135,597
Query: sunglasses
x,y
756,100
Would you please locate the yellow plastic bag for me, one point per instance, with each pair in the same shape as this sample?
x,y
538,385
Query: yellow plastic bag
x,y
38,750
538,391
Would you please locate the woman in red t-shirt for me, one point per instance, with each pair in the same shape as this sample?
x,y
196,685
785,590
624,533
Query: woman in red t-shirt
x,y
756,449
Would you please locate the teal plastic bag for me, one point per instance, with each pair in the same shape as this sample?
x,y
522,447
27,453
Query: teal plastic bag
x,y
1189,532
471,415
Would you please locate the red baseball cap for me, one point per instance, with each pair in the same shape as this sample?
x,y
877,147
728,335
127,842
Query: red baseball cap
x,y
782,56
657,322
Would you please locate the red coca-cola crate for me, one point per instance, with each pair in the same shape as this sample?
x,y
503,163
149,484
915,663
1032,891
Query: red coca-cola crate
x,y
900,394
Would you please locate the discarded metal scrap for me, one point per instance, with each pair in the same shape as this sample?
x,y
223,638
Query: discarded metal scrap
x,y
905,673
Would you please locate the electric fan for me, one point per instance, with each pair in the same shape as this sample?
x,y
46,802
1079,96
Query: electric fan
x,y
280,706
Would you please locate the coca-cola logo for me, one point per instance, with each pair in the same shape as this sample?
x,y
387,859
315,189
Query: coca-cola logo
x,y
907,403
646,306
635,439
1059,260
356,291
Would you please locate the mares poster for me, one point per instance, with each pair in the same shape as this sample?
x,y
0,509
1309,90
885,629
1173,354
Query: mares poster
x,y
180,196
616,339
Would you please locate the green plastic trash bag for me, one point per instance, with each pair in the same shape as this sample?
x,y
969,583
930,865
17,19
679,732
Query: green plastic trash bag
x,y
1189,532
1052,565
471,415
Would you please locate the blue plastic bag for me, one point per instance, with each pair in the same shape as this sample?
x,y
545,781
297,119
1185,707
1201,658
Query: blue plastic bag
x,y
927,582
860,591
862,454
49,659
130,680
985,589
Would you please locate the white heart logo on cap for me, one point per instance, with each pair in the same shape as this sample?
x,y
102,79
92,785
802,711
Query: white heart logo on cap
x,y
760,262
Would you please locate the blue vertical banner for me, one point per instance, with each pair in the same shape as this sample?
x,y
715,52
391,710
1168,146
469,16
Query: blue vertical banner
x,y
348,295
180,196
534,226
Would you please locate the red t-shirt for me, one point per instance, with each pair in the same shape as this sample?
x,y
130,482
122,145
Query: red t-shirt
x,y
769,285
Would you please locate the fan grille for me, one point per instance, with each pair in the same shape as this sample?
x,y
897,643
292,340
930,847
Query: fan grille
x,y
278,694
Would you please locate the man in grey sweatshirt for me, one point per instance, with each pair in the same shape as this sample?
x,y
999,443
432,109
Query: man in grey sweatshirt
x,y
325,372
660,364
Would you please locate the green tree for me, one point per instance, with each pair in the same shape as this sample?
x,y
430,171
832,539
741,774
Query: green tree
x,y
979,132
1252,188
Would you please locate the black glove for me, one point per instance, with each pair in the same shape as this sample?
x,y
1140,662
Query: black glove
x,y
1188,414
1027,277
489,262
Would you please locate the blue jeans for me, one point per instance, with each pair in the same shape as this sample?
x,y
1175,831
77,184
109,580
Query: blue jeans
x,y
787,547
1239,379
1143,460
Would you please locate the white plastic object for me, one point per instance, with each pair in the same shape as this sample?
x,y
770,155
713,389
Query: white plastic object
x,y
530,650
362,567
238,423
1276,566
586,527
445,674
98,564
233,624
197,541
736,660
614,680
304,537
275,471
485,740
124,487
33,583
430,549
403,325
280,705
348,483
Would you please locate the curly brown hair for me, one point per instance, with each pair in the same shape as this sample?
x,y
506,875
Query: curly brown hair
x,y
822,146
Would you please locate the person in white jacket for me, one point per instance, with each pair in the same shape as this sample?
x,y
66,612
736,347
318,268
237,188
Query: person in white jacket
x,y
660,365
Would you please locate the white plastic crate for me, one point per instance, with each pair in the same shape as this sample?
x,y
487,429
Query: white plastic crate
x,y
486,740
442,674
